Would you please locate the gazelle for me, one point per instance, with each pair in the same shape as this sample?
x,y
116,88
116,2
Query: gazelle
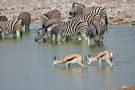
x,y
102,56
71,59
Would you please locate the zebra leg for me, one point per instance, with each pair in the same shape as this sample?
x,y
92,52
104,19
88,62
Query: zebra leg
x,y
18,33
23,28
84,36
88,41
65,38
79,38
54,37
59,37
28,27
2,34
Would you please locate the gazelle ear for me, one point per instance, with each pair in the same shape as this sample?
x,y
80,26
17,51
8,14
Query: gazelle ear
x,y
54,58
89,56
85,57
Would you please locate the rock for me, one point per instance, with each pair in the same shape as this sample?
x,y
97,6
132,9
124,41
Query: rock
x,y
133,22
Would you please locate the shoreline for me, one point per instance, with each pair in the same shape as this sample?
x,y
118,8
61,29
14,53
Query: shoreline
x,y
119,12
124,88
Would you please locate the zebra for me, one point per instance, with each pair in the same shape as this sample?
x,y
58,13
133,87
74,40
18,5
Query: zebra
x,y
76,25
79,9
47,21
11,27
3,18
26,20
67,29
54,14
96,31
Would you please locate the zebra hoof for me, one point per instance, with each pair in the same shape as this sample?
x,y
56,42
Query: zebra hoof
x,y
44,40
36,40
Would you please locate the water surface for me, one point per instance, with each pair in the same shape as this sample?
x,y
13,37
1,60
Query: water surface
x,y
27,65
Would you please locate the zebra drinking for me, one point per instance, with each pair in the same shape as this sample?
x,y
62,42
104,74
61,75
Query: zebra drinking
x,y
79,9
96,31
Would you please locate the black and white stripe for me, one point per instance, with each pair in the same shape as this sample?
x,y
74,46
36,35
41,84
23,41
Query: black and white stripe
x,y
79,9
10,27
96,31
75,25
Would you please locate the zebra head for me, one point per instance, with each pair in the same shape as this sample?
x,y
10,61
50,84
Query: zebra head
x,y
94,32
77,9
40,34
49,31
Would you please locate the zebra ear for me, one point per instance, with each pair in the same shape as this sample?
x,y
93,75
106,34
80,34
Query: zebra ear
x,y
78,5
45,15
73,4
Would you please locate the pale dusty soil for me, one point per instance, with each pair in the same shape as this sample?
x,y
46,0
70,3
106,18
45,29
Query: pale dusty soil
x,y
124,88
119,11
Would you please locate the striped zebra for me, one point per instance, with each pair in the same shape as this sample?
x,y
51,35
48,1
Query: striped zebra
x,y
10,27
26,20
96,31
79,9
76,25
54,14
46,21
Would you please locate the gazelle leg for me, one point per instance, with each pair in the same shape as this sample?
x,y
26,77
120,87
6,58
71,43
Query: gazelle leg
x,y
79,62
109,63
67,65
99,61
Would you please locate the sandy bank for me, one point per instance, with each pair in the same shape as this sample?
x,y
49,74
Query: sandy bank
x,y
124,88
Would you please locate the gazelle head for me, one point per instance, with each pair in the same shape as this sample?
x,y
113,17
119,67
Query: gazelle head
x,y
88,59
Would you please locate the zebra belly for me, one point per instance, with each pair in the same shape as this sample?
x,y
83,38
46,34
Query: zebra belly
x,y
72,61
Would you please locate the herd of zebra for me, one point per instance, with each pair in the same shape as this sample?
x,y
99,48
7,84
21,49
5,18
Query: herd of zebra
x,y
87,22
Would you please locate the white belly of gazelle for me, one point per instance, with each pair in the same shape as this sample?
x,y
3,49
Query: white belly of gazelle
x,y
71,62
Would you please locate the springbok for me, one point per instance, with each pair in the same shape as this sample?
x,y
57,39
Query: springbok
x,y
71,59
102,56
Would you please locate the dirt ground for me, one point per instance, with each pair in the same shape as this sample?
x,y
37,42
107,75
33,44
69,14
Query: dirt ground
x,y
128,88
118,11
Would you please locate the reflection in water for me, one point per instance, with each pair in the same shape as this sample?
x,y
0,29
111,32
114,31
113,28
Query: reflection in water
x,y
71,75
69,70
104,72
97,48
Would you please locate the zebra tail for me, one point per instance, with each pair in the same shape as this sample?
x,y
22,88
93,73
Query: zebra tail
x,y
106,20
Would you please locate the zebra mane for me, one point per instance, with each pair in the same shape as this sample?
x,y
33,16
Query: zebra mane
x,y
49,27
95,28
46,15
78,5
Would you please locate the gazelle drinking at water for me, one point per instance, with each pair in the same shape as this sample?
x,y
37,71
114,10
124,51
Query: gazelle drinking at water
x,y
102,56
71,59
